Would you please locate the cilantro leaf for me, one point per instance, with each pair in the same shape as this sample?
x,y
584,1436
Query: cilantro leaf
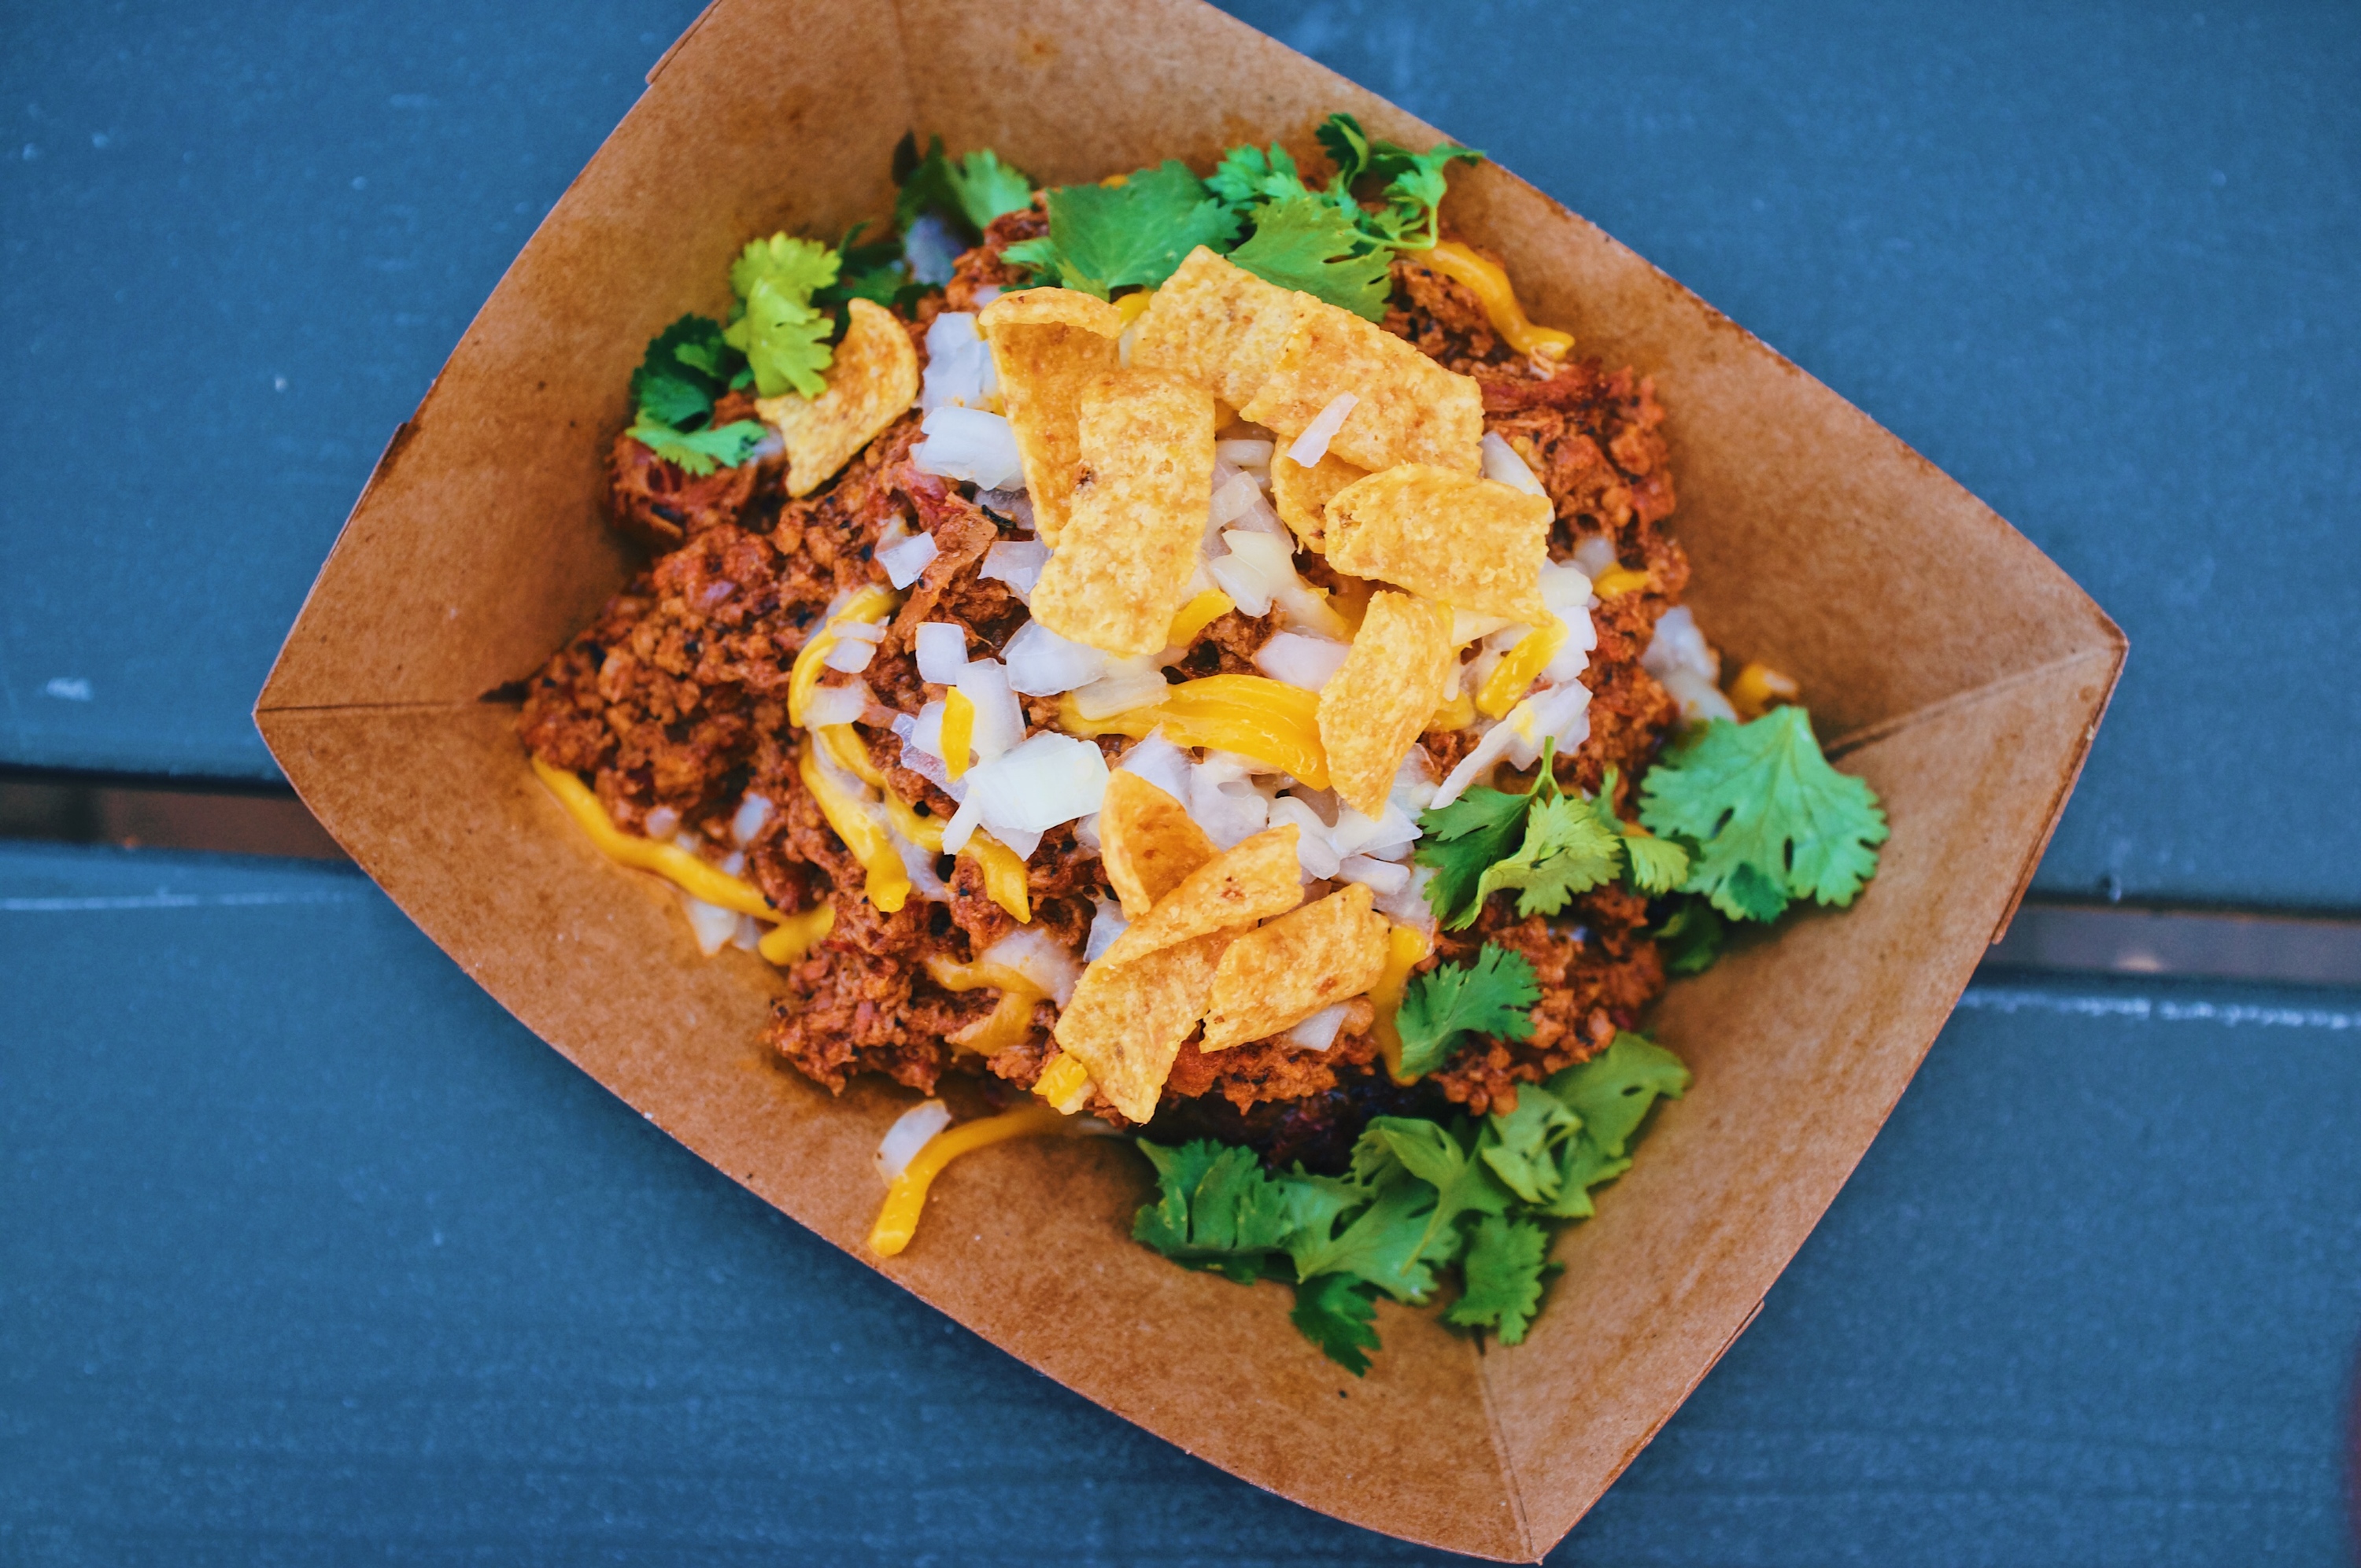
x,y
784,338
700,452
1381,1245
1773,821
972,191
1249,175
1460,842
1103,237
1493,995
1655,865
1565,852
1414,187
1445,1183
1503,1270
1520,1145
1335,1311
681,373
1611,1093
1689,937
1215,1208
793,266
1346,145
1302,242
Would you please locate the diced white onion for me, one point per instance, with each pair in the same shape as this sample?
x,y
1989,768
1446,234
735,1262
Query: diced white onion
x,y
860,630
1699,698
1573,655
1086,832
1127,684
1243,582
986,293
734,863
1506,465
942,648
661,823
1563,587
925,763
969,443
1243,454
711,925
918,862
1413,785
1106,925
1049,779
1014,505
1269,559
1312,850
911,1132
1017,563
1318,1032
1039,957
959,372
1679,644
1562,713
849,656
905,560
932,249
1410,907
753,813
1232,494
1467,626
1300,661
837,705
1229,812
1378,876
1383,836
1161,762
926,734
1312,445
1595,557
747,937
1042,664
999,718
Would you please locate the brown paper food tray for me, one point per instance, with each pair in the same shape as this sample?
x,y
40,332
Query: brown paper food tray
x,y
1946,659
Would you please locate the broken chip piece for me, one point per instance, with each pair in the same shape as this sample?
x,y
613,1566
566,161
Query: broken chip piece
x,y
1474,543
1217,325
1119,572
1302,494
1253,880
871,383
1407,408
1275,976
1127,1020
1047,346
1375,705
1147,842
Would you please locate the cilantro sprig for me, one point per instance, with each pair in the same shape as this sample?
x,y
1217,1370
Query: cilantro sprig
x,y
1492,995
1541,843
1324,240
686,369
970,191
1419,1200
1765,818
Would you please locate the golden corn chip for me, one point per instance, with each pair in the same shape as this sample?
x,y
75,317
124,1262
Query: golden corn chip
x,y
1302,494
1474,543
1119,570
871,379
1378,699
1127,1021
1252,881
1217,325
1047,346
1148,842
1051,307
1410,410
1275,976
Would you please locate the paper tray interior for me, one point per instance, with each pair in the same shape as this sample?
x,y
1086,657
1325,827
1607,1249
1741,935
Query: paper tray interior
x,y
1945,659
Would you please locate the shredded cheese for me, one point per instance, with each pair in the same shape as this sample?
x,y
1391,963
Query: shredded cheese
x,y
1065,1083
1456,712
1252,714
871,604
856,822
906,1197
791,939
1492,288
675,865
1134,305
1196,615
844,743
1405,947
1618,582
1010,1020
958,731
1003,875
1516,671
1758,686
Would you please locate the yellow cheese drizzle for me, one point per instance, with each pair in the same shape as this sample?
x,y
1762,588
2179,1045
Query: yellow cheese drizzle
x,y
1618,582
1196,615
1405,947
872,604
1004,874
1517,669
1457,712
887,883
959,732
790,938
1491,286
1010,1020
1134,305
1252,714
1758,686
1064,1083
897,1221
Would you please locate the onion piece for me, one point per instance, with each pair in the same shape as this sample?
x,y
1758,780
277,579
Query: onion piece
x,y
911,1131
969,443
1244,455
1042,664
1378,876
1017,563
1161,762
1595,557
942,648
923,763
1312,445
999,718
1024,792
960,371
1127,684
1505,464
837,705
1318,1032
1234,492
1015,506
1300,661
904,561
1312,850
1106,925
753,813
849,657
710,924
1039,957
661,823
